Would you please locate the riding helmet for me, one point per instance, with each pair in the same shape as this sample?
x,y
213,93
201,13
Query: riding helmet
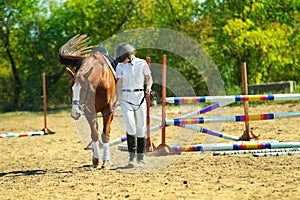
x,y
123,51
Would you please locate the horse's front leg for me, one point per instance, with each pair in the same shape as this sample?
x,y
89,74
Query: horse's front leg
x,y
105,139
95,141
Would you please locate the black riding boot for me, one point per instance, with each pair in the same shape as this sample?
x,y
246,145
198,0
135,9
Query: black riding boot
x,y
141,145
131,144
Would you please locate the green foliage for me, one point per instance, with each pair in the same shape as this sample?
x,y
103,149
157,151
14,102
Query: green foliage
x,y
263,33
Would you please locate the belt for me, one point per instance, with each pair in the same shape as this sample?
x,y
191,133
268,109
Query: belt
x,y
134,90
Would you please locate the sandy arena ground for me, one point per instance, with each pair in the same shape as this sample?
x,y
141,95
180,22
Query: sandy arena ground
x,y
56,166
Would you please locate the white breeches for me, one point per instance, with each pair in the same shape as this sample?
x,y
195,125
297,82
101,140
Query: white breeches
x,y
135,118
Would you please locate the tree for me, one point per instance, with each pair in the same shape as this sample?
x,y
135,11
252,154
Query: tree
x,y
262,33
17,20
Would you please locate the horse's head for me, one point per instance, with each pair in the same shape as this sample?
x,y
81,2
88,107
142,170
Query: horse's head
x,y
82,93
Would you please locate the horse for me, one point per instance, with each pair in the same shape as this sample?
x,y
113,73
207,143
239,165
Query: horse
x,y
92,92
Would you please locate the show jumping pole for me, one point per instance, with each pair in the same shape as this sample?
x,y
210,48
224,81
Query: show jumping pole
x,y
233,98
237,118
236,146
210,132
22,134
245,147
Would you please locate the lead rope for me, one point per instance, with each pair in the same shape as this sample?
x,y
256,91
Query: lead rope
x,y
139,105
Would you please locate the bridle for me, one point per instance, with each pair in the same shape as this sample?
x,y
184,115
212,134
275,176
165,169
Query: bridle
x,y
82,104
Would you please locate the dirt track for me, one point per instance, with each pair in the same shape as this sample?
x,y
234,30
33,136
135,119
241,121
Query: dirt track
x,y
55,166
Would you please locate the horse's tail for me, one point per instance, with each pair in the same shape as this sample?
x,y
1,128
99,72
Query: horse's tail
x,y
74,50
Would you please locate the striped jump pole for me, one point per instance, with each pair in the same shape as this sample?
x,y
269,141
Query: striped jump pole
x,y
118,141
283,153
238,118
178,112
198,112
210,132
111,143
203,110
237,98
255,151
22,134
195,113
236,146
206,109
203,130
122,139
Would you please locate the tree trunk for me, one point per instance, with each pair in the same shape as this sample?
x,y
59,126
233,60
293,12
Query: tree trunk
x,y
18,84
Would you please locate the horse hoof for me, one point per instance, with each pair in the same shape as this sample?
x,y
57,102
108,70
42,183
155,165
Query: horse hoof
x,y
95,162
105,165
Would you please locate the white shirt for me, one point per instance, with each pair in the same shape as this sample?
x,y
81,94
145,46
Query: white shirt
x,y
133,74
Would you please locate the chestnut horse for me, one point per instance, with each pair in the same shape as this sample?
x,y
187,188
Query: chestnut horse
x,y
93,91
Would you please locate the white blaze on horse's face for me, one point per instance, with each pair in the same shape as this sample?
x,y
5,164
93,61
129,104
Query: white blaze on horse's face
x,y
76,112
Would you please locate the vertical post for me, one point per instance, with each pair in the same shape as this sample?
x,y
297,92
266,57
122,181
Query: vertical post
x,y
44,100
163,149
246,135
149,145
148,105
163,99
45,129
